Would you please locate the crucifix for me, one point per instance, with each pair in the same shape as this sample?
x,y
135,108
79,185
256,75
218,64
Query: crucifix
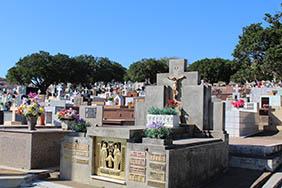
x,y
175,88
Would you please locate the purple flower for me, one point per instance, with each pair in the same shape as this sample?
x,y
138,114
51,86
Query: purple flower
x,y
155,125
32,95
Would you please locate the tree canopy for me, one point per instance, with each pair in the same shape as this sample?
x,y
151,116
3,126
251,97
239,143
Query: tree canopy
x,y
42,69
259,50
214,69
147,69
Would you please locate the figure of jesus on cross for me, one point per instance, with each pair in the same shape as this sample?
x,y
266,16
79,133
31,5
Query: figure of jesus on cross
x,y
175,86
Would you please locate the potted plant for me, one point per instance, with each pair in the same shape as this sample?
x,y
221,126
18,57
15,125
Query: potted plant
x,y
79,125
67,116
31,109
156,133
168,116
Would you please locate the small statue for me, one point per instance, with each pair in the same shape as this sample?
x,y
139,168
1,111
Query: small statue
x,y
110,160
117,159
103,156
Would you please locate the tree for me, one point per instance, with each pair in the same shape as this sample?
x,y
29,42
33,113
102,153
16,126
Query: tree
x,y
215,69
147,69
42,69
259,50
32,69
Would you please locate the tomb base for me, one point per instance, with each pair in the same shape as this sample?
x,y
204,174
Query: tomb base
x,y
119,157
25,149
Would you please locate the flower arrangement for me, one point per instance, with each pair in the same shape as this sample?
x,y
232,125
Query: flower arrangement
x,y
157,130
79,125
162,111
172,103
238,104
30,107
67,114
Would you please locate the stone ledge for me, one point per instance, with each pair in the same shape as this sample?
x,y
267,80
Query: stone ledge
x,y
111,180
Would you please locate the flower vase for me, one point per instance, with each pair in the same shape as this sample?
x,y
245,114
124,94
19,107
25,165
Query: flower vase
x,y
31,122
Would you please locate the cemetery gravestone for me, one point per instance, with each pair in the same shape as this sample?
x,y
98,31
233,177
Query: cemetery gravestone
x,y
92,114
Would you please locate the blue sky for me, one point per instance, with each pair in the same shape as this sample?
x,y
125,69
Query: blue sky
x,y
126,30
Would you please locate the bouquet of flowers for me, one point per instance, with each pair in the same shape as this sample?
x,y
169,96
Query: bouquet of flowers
x,y
157,130
238,104
30,106
67,114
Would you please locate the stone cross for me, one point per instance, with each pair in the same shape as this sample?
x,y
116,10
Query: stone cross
x,y
192,97
59,89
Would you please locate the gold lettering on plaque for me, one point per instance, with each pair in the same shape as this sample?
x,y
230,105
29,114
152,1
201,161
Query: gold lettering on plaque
x,y
110,161
137,166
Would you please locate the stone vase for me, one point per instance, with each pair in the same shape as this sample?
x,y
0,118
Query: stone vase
x,y
31,122
169,121
65,125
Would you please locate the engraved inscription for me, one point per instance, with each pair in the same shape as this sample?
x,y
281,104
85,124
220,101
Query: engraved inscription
x,y
156,184
77,153
137,162
136,178
137,170
157,166
137,166
157,176
157,170
157,157
90,112
138,154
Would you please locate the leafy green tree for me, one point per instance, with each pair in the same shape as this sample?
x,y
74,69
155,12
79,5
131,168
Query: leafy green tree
x,y
32,69
215,69
42,69
147,69
259,50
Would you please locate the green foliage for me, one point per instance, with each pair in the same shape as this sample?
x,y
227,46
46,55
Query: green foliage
x,y
146,69
78,126
160,133
162,111
214,70
259,51
42,69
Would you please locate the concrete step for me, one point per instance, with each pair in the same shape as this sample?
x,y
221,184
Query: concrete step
x,y
12,181
250,162
255,153
257,150
275,181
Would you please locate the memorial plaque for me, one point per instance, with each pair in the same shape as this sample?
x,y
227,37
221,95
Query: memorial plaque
x,y
157,170
138,154
137,162
158,166
137,170
137,166
90,112
156,184
77,153
136,178
48,117
157,157
159,176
